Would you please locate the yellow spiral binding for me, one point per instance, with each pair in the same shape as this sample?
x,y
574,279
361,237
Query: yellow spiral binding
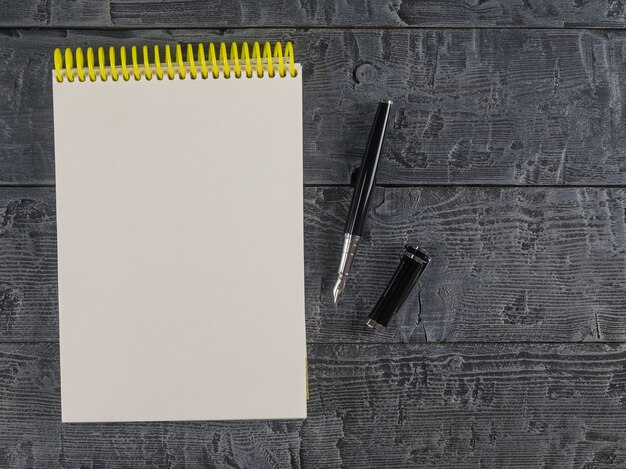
x,y
71,64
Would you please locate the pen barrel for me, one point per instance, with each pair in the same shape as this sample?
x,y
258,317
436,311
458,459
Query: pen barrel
x,y
409,270
367,173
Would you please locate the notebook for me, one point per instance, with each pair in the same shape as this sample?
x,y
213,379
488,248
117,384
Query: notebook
x,y
180,233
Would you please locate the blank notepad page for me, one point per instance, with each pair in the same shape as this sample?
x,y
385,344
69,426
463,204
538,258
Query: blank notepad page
x,y
180,248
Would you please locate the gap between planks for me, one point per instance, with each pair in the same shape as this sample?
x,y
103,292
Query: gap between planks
x,y
310,28
9,185
390,344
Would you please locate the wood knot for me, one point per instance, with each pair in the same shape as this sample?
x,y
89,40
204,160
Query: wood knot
x,y
365,74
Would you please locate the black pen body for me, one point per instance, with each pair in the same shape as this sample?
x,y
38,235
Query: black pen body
x,y
367,173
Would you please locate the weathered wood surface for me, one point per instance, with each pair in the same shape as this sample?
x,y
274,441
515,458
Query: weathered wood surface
x,y
502,107
519,107
241,13
452,406
509,264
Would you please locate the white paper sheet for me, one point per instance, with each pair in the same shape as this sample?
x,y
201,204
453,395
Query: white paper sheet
x,y
180,247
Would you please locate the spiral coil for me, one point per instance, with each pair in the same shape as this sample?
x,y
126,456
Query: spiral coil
x,y
93,65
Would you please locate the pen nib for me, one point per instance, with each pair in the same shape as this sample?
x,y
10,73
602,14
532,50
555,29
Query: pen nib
x,y
340,284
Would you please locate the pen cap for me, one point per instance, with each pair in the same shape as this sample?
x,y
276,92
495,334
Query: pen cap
x,y
412,265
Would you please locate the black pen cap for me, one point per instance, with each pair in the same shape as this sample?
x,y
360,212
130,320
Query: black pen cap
x,y
412,265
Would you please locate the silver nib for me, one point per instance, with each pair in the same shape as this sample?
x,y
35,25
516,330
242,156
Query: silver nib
x,y
350,243
340,284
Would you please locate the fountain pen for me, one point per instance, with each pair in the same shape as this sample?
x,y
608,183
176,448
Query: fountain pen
x,y
362,195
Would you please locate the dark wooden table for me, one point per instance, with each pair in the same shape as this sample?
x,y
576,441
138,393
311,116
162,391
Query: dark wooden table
x,y
506,159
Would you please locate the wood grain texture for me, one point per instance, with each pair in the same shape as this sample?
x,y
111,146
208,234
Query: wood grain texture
x,y
240,13
518,107
453,406
509,264
28,266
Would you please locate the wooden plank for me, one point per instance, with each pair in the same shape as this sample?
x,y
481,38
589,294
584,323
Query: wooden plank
x,y
28,270
509,264
519,107
241,13
454,406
